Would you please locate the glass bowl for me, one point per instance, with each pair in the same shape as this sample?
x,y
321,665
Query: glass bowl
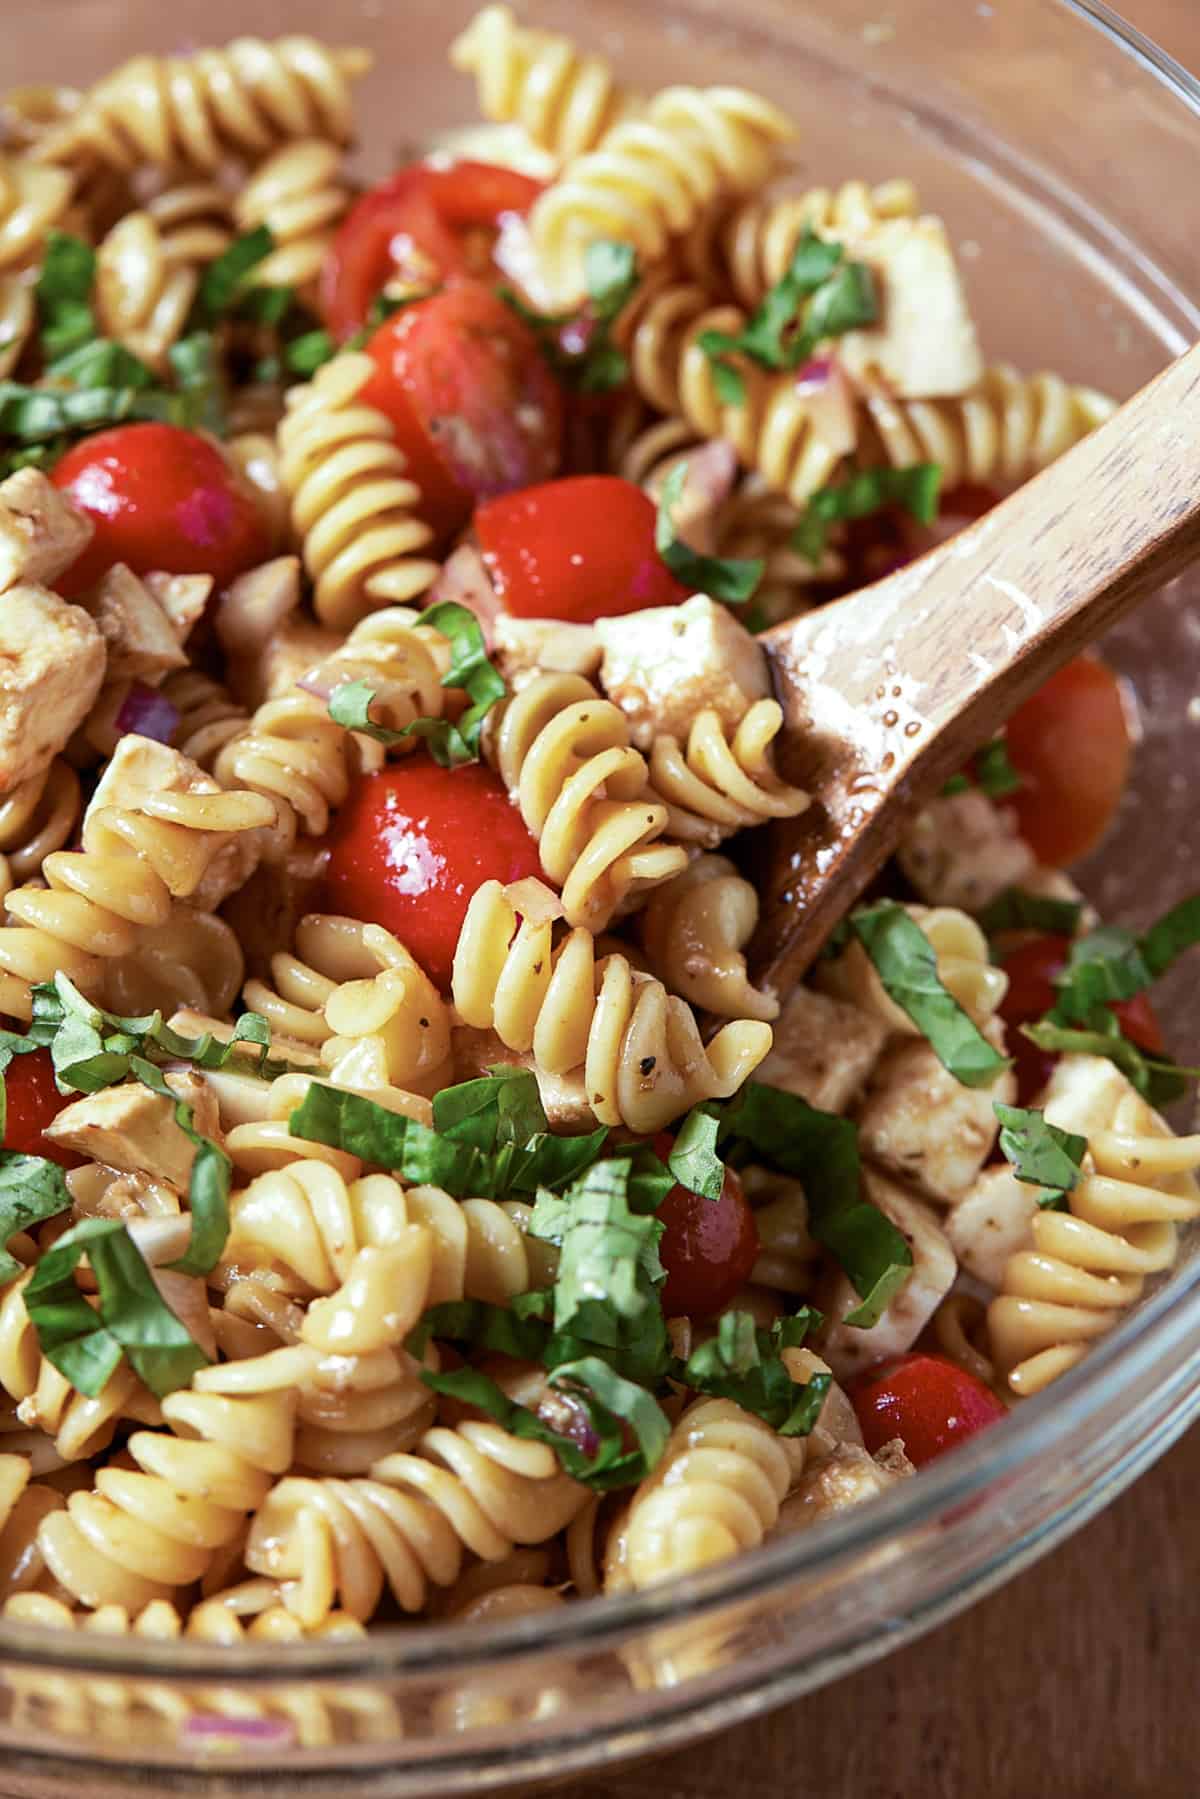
x,y
1071,266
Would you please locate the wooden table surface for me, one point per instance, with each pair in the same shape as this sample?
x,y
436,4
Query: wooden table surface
x,y
1076,1681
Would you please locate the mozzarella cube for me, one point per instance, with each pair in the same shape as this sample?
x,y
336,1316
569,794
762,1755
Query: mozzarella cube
x,y
922,1125
41,532
924,344
824,1050
847,1348
141,640
51,668
663,666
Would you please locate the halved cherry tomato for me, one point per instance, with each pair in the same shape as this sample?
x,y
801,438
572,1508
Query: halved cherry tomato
x,y
160,497
412,844
33,1103
708,1247
475,409
930,1403
580,549
1031,969
1070,745
417,225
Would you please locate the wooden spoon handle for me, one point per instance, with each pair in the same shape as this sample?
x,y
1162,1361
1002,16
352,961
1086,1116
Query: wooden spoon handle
x,y
888,692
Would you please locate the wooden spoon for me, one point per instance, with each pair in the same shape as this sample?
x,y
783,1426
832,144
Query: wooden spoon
x,y
887,693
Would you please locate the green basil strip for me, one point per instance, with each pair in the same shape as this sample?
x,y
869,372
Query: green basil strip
x,y
1016,910
222,281
865,493
1177,931
351,1122
608,1264
197,369
744,1364
86,1345
208,1186
32,1189
101,363
904,960
64,294
728,578
1157,1078
693,1159
1041,1154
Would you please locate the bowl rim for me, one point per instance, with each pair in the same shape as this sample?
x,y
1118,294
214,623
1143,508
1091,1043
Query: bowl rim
x,y
1161,1324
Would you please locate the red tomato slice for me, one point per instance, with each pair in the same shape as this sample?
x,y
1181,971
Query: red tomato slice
x,y
413,843
580,549
475,409
1070,745
416,225
1031,969
708,1247
160,498
929,1402
33,1103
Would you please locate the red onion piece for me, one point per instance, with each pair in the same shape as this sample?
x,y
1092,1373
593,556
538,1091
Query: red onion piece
x,y
147,713
570,1418
256,1733
465,580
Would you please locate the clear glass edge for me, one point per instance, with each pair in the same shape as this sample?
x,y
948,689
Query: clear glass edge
x,y
1162,1325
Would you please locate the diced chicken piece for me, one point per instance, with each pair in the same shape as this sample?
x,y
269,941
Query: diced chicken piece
x,y
299,645
963,850
51,668
924,344
837,1422
182,597
141,769
824,1050
923,1125
256,605
141,640
1089,1094
41,532
848,1477
847,1348
133,1129
664,665
547,645
992,1223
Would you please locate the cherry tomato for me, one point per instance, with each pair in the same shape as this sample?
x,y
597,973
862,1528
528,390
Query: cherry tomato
x,y
708,1247
418,225
580,549
1070,745
413,843
33,1103
1031,969
929,1402
966,502
160,498
475,409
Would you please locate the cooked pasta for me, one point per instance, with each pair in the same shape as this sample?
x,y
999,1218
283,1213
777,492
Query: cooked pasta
x,y
964,968
695,931
1012,426
565,756
719,782
18,318
634,1046
653,176
33,201
148,266
562,98
196,109
354,510
36,818
300,195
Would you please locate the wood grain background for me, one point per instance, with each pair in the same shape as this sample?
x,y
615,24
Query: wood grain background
x,y
1077,1681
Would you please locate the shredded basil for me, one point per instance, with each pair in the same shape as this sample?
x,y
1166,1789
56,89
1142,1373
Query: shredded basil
x,y
579,346
309,352
64,294
1157,1078
196,366
744,1363
133,1318
32,1189
1016,910
101,363
865,493
1041,1154
223,281
904,960
727,578
694,1160
609,1267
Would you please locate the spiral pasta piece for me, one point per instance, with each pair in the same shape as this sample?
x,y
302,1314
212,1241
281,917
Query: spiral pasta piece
x,y
774,427
36,818
964,968
636,1047
1086,1266
746,249
695,930
299,194
565,755
97,902
33,201
1011,427
719,784
562,98
787,1254
353,509
148,266
193,959
18,318
652,176
193,111
208,715
474,1488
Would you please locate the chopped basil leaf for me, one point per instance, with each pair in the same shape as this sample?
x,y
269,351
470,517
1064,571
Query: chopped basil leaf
x,y
611,273
608,1266
819,296
1016,910
865,493
101,363
579,346
1157,1078
1105,965
1178,930
208,1184
693,1159
904,960
502,1116
223,280
994,773
64,294
268,306
478,1325
196,367
86,1345
744,1364
727,578
31,1190
450,744
309,352
1041,1154
821,1150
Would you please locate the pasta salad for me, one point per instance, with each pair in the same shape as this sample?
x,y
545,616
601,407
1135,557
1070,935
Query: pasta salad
x,y
413,1206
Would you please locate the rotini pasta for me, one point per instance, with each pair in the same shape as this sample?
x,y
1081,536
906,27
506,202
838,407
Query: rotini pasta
x,y
564,100
720,782
148,266
300,196
37,818
33,201
963,963
695,931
